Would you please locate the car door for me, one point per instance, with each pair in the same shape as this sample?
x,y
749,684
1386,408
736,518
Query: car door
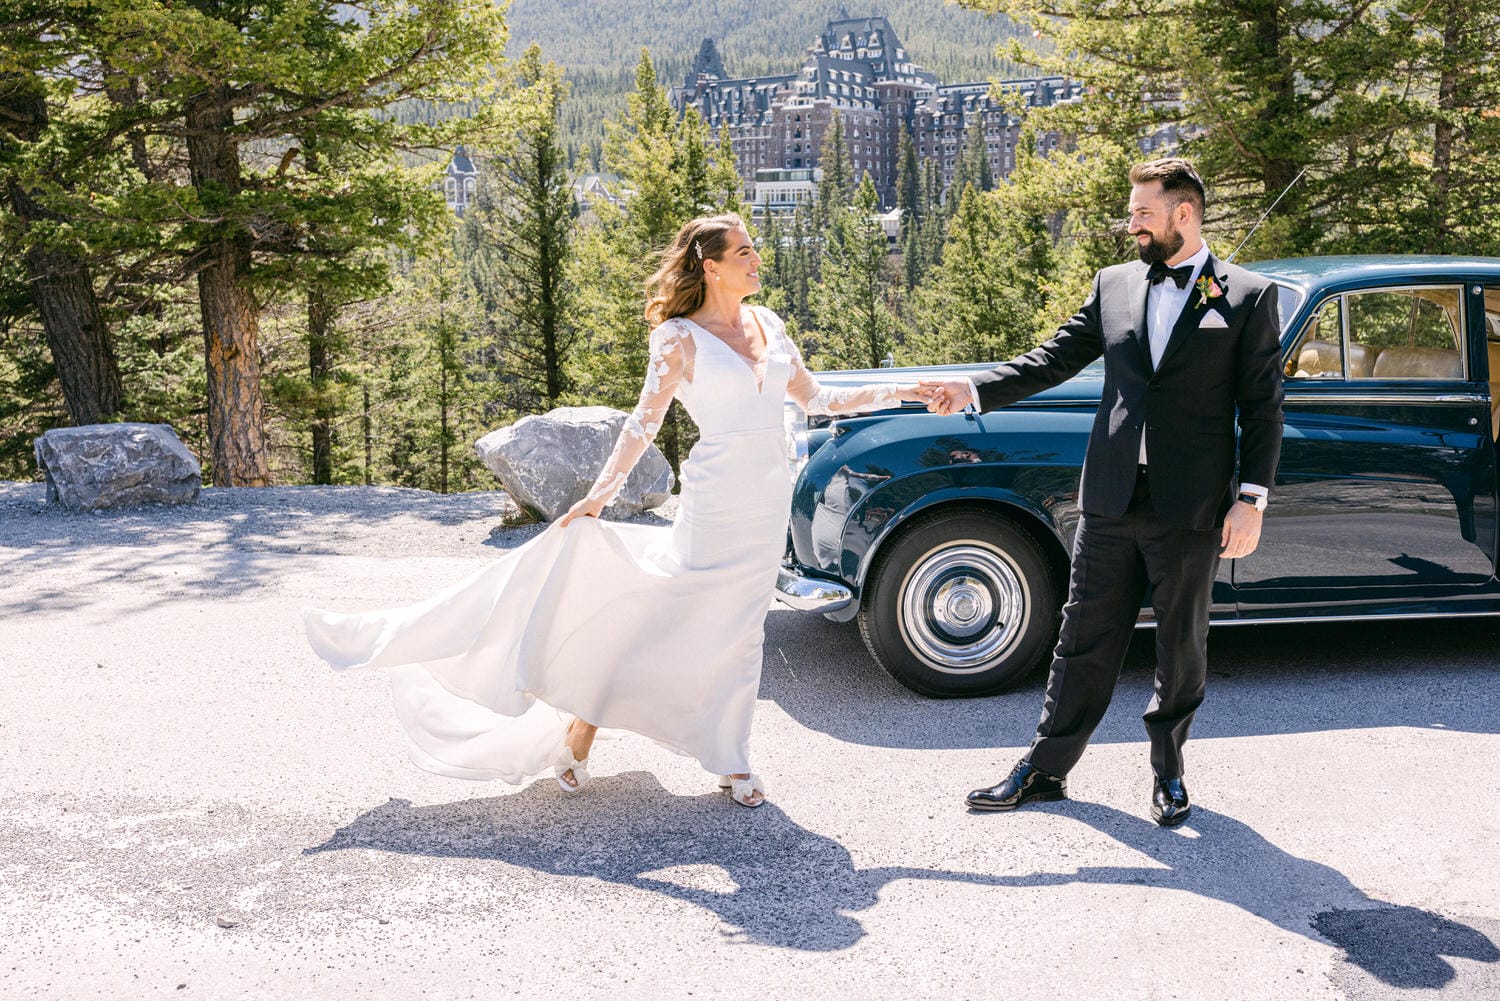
x,y
1385,496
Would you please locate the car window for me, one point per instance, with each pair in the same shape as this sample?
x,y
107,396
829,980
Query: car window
x,y
1288,299
1410,333
1319,352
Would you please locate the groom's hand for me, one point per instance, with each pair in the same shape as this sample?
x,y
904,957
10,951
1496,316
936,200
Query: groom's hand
x,y
1241,531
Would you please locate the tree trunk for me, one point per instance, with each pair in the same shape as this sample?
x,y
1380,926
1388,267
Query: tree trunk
x,y
62,285
444,360
231,317
1277,172
1444,133
320,370
367,427
63,291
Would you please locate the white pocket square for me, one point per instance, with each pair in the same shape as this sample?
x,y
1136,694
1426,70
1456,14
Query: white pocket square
x,y
1212,320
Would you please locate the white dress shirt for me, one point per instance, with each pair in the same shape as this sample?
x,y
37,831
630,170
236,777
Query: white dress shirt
x,y
1164,304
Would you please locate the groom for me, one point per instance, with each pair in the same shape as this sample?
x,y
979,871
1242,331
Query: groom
x,y
1191,346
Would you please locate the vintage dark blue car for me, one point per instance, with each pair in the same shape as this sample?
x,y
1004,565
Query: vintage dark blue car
x,y
948,537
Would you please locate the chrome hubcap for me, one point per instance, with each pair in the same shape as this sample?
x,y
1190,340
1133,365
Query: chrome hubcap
x,y
963,608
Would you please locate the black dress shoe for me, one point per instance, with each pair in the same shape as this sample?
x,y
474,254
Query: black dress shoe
x,y
1022,785
1169,802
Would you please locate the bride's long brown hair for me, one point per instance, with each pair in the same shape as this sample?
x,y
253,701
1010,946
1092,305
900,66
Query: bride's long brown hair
x,y
679,284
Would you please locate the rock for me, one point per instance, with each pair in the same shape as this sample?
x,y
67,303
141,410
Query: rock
x,y
117,465
547,462
227,921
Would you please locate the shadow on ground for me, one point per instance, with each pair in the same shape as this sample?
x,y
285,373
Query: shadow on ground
x,y
772,881
1440,674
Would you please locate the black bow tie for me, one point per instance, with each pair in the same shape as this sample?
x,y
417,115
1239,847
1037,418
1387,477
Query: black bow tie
x,y
1159,272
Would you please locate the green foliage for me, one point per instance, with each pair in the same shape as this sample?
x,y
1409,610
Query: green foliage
x,y
985,302
836,189
855,324
1384,105
516,242
788,251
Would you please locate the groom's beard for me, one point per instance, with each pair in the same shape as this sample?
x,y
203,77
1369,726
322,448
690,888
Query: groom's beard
x,y
1160,251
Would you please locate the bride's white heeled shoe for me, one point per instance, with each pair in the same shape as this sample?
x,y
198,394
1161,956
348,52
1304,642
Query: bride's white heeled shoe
x,y
566,763
743,791
578,768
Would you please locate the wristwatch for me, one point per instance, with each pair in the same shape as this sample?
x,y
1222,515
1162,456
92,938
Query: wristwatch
x,y
1257,501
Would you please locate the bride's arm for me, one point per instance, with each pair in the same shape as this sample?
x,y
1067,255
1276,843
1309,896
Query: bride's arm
x,y
815,398
664,372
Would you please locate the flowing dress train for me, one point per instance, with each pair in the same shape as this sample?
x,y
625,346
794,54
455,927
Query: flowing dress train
x,y
653,629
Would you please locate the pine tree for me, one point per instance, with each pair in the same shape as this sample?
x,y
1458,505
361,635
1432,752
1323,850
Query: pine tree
x,y
977,156
854,323
426,401
987,299
908,183
60,276
525,222
613,259
836,188
263,76
1383,105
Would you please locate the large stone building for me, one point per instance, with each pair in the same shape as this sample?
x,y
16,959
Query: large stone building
x,y
858,68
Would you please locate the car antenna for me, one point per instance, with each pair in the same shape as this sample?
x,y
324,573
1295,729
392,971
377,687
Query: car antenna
x,y
1263,215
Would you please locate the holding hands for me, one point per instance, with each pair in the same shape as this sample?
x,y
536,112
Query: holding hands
x,y
940,396
947,396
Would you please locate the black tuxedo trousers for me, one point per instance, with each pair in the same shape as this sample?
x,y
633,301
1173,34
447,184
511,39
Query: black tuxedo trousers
x,y
1115,561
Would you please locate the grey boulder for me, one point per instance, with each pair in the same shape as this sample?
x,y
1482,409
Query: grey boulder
x,y
117,465
548,462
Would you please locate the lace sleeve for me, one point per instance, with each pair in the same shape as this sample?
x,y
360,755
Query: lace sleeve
x,y
664,372
815,398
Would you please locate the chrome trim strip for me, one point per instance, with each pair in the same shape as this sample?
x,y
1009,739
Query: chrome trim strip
x,y
1372,399
1294,620
810,594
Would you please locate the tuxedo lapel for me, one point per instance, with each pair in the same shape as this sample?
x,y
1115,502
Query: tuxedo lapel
x,y
1192,312
1138,287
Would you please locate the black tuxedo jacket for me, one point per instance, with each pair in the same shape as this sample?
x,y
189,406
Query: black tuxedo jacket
x,y
1209,377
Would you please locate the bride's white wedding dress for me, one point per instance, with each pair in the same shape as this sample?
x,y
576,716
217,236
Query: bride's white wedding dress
x,y
654,629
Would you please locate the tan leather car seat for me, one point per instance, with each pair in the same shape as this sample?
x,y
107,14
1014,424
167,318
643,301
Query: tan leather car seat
x,y
1362,360
1319,359
1418,363
1494,353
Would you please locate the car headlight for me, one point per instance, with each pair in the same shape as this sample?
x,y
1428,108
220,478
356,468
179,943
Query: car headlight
x,y
796,438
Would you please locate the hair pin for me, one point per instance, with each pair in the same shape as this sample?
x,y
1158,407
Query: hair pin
x,y
698,246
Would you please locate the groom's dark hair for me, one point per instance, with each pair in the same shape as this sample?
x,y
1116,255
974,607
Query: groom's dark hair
x,y
1179,181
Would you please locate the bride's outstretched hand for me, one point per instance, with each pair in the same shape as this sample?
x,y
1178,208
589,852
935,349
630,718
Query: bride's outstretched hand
x,y
916,392
589,507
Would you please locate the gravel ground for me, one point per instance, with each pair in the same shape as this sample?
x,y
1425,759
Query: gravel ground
x,y
196,807
393,522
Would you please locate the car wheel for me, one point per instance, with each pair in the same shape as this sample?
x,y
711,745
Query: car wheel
x,y
961,604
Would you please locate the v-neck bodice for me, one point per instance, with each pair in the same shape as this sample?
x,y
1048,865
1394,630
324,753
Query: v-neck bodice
x,y
725,392
757,367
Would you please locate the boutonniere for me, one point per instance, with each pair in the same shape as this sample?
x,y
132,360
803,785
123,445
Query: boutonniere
x,y
1209,289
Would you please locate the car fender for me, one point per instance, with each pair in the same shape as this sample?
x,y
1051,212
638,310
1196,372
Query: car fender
x,y
1053,534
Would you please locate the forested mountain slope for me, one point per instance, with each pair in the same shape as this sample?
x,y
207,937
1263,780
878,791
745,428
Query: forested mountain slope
x,y
598,42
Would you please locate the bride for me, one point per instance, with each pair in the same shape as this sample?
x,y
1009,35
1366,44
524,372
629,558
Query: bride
x,y
656,630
